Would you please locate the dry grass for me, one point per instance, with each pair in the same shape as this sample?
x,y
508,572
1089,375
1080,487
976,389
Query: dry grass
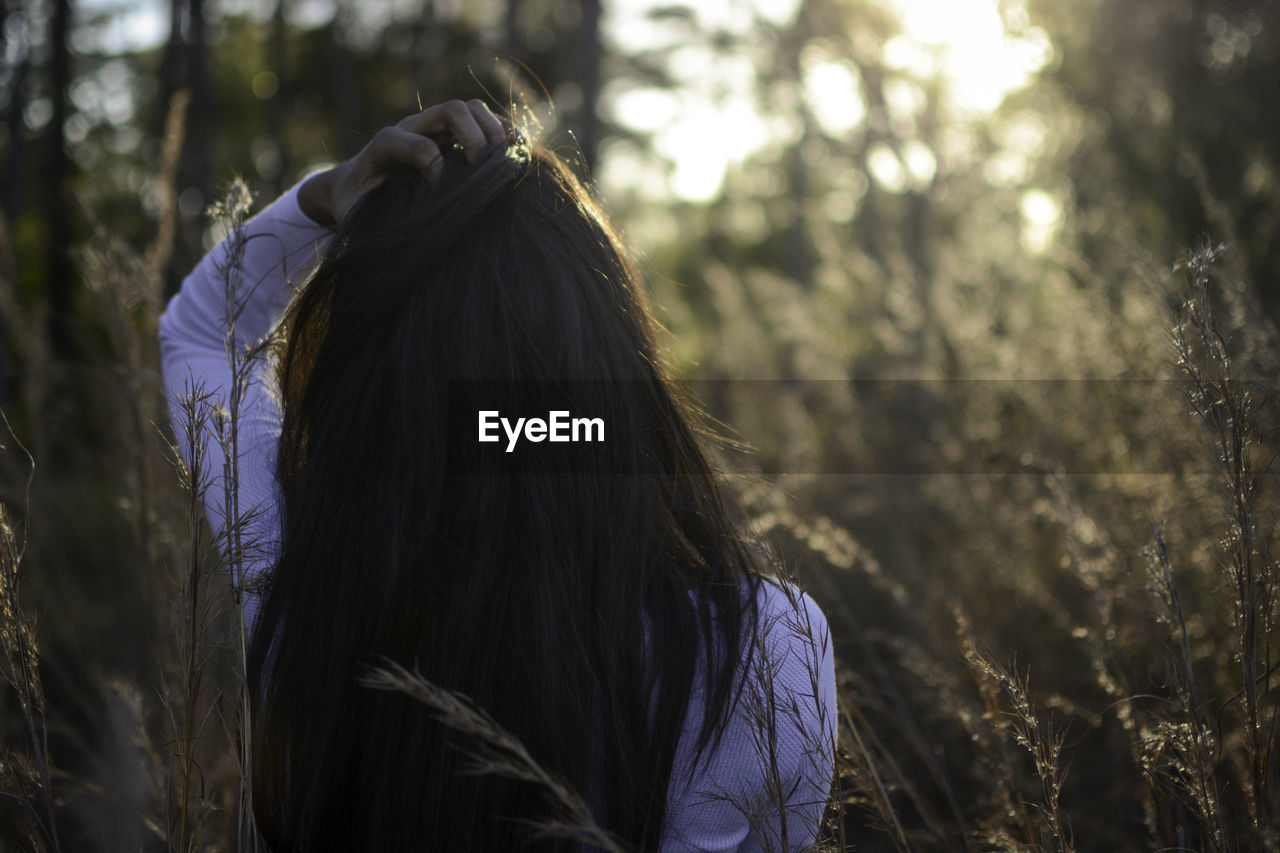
x,y
24,772
1144,604
193,748
502,754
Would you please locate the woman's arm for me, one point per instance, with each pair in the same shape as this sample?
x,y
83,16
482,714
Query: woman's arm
x,y
415,141
240,288
243,284
237,293
230,301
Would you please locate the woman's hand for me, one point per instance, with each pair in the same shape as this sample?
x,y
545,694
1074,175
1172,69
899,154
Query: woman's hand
x,y
327,196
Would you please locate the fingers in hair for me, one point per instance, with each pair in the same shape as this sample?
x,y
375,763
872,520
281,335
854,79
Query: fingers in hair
x,y
494,132
397,145
452,118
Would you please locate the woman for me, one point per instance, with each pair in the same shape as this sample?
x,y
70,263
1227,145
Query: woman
x,y
592,596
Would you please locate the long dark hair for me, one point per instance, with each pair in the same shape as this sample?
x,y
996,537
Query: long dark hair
x,y
575,592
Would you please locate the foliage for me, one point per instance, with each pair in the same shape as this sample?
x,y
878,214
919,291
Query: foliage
x,y
1027,473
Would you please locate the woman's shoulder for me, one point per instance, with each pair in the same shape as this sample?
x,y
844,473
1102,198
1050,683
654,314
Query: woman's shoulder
x,y
768,777
789,662
788,615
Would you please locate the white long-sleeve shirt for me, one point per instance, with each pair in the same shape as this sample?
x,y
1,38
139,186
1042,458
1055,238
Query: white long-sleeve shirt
x,y
755,790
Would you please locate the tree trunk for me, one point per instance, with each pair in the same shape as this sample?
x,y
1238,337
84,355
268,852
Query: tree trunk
x,y
172,71
801,256
589,54
191,71
172,75
429,39
12,174
346,94
278,103
200,116
16,132
61,272
511,28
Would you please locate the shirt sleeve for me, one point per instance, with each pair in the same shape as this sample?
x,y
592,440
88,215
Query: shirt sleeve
x,y
228,303
766,787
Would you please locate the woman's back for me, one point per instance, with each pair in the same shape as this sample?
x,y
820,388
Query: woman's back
x,y
594,598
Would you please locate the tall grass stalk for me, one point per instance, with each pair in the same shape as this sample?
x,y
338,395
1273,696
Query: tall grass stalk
x,y
1016,718
862,763
1231,406
183,829
873,769
501,754
773,814
21,674
1183,752
231,214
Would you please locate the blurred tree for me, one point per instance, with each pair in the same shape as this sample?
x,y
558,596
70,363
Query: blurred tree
x,y
15,55
345,78
1175,141
172,71
61,272
277,102
185,65
589,53
863,229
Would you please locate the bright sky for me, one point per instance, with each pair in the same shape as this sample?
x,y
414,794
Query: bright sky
x,y
136,24
965,40
981,61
